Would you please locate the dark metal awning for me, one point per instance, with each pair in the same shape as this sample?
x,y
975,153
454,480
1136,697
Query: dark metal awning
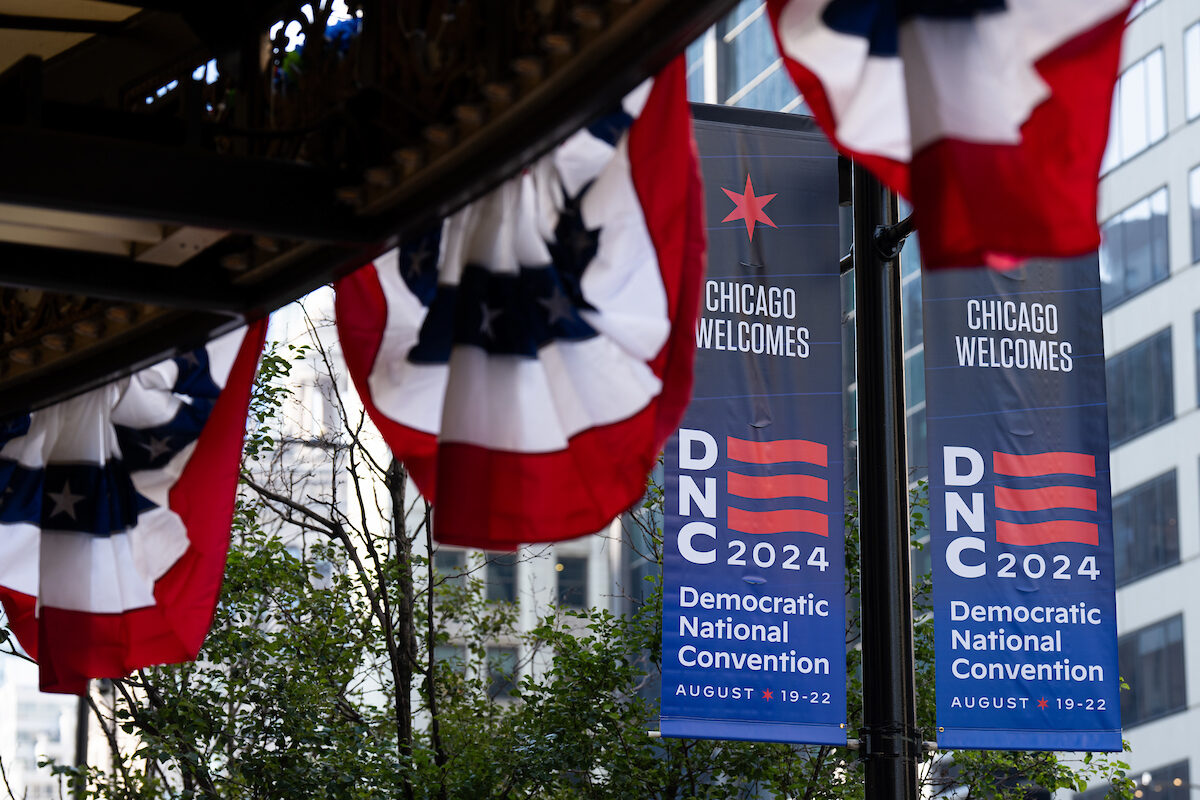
x,y
169,168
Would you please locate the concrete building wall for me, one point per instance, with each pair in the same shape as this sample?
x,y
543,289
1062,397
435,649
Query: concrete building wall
x,y
718,74
1174,445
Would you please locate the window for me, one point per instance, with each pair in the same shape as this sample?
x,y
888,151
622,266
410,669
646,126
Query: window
x,y
1133,249
746,45
502,671
501,577
1152,664
1191,70
452,655
450,565
572,581
849,345
911,312
695,70
1194,202
1165,783
1196,328
1146,528
1140,393
770,90
1139,116
914,379
918,452
1140,6
751,74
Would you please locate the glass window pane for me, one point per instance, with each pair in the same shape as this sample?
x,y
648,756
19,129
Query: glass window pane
x,y
918,453
1140,389
1139,6
1156,98
1139,116
450,566
572,581
1133,249
1145,529
1112,243
911,305
1160,258
772,93
1152,662
1136,222
914,379
1194,201
1163,783
1133,110
452,655
1164,407
502,671
751,49
501,577
743,10
910,254
695,70
1196,330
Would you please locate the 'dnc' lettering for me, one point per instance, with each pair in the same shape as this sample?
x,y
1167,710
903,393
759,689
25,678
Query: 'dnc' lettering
x,y
692,497
958,510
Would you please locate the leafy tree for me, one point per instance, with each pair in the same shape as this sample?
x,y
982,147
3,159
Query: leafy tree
x,y
321,677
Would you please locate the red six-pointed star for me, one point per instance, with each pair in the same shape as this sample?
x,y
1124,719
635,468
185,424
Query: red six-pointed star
x,y
749,207
1043,703
766,694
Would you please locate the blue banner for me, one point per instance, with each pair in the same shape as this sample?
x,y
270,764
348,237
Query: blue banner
x,y
754,620
1020,509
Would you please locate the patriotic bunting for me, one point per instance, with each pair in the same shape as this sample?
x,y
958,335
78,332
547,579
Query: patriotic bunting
x,y
115,514
991,115
528,357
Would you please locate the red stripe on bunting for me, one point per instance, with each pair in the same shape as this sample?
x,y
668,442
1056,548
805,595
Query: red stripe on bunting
x,y
893,173
19,608
497,500
666,175
989,204
501,499
360,309
77,645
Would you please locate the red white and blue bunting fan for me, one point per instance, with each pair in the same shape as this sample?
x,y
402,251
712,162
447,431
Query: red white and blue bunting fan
x,y
992,115
116,510
528,357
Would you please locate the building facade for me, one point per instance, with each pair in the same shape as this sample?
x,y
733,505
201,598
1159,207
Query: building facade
x,y
34,728
1150,216
1149,209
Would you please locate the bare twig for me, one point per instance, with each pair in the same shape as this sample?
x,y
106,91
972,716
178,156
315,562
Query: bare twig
x,y
8,787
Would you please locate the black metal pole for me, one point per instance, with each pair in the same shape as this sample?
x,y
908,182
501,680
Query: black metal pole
x,y
81,738
889,741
